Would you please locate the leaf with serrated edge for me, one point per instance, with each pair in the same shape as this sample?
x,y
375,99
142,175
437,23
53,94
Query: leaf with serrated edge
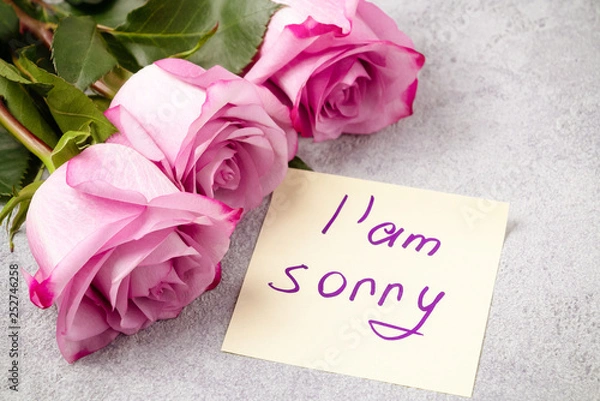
x,y
80,54
161,28
71,108
22,107
14,162
242,25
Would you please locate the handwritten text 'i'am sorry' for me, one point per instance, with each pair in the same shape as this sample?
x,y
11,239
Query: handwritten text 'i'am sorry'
x,y
385,233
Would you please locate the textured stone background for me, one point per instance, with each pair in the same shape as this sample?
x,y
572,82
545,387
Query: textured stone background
x,y
508,109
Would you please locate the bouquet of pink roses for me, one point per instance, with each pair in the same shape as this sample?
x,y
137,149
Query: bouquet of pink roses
x,y
160,124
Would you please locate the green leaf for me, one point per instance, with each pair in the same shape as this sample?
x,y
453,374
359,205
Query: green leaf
x,y
186,54
9,23
14,163
22,201
125,58
101,102
298,163
84,2
70,145
116,12
38,54
9,72
242,25
109,13
161,28
79,52
22,106
71,108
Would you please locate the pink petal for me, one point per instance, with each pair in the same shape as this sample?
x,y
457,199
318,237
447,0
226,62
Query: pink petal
x,y
144,278
201,205
171,247
123,260
328,12
130,322
163,104
193,74
276,57
250,191
133,134
89,321
117,172
381,24
49,241
212,160
107,172
86,333
217,278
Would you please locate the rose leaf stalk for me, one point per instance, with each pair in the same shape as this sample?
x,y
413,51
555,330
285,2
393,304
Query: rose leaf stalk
x,y
44,31
41,30
24,136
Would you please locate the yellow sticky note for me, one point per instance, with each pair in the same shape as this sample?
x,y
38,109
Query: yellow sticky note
x,y
371,280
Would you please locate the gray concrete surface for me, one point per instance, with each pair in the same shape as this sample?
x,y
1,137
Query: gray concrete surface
x,y
508,109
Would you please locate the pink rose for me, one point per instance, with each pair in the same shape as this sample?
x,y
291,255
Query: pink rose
x,y
211,132
342,65
119,246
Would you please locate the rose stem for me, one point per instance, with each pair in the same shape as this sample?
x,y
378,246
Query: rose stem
x,y
102,89
40,29
24,136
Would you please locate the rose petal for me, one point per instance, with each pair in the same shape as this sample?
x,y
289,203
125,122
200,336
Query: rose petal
x,y
328,12
171,247
89,321
276,53
193,74
215,158
90,331
74,350
133,134
163,104
129,322
380,24
50,280
118,173
123,260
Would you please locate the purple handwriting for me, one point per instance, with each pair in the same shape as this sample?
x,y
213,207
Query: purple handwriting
x,y
386,232
335,284
338,289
